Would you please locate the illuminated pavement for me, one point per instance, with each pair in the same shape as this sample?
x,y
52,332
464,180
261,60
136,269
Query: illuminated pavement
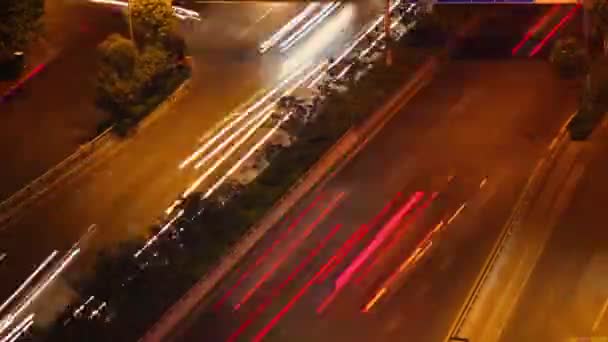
x,y
480,118
567,294
125,189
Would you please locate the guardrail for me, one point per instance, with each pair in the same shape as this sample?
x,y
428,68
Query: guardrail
x,y
40,185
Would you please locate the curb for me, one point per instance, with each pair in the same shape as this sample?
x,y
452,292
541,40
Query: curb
x,y
77,160
530,189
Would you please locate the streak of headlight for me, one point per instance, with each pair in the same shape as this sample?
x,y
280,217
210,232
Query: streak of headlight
x,y
364,34
248,111
235,146
268,250
277,290
19,329
292,247
40,288
306,29
27,282
270,42
554,30
160,232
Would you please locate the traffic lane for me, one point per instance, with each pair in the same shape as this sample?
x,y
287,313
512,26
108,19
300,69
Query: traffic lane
x,y
125,192
219,321
54,112
567,291
409,301
404,133
505,152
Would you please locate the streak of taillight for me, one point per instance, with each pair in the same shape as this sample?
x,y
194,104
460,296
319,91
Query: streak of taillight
x,y
554,30
268,250
359,234
348,273
535,28
335,201
397,237
277,291
382,235
266,329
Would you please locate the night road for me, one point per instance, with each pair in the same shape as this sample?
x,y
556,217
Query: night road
x,y
129,185
400,231
566,295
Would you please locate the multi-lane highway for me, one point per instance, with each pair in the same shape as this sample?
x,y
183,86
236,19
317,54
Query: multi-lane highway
x,y
401,230
125,188
566,296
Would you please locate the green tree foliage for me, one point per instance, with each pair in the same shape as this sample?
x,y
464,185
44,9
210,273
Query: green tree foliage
x,y
19,20
568,55
116,81
153,20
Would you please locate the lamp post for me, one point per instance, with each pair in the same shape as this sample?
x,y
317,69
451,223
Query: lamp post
x,y
387,32
130,19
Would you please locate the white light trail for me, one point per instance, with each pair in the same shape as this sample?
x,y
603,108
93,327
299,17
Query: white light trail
x,y
40,288
238,119
263,139
309,26
270,42
29,279
19,329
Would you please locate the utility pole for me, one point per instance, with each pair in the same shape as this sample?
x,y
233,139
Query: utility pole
x,y
387,33
130,19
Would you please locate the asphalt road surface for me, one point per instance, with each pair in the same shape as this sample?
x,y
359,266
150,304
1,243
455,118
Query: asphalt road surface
x,y
480,119
566,296
54,112
127,189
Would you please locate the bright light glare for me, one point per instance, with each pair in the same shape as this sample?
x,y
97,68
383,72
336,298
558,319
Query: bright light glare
x,y
270,42
309,26
319,44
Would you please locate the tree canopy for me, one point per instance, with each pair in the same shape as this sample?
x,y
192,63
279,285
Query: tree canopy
x,y
152,19
19,19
